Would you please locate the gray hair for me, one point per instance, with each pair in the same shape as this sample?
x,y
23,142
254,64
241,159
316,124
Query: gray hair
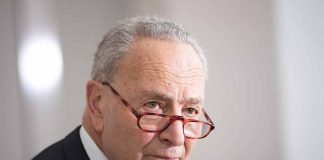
x,y
118,40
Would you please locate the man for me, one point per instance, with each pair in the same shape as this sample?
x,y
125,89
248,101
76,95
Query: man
x,y
145,99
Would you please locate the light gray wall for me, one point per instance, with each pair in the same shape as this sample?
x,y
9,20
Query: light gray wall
x,y
244,97
300,38
10,132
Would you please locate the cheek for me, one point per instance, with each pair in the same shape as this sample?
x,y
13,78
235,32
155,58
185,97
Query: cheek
x,y
189,145
122,133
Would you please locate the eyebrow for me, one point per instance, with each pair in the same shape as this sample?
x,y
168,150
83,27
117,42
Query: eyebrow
x,y
194,101
158,95
154,94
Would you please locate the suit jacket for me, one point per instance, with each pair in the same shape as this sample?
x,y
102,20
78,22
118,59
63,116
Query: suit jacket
x,y
69,148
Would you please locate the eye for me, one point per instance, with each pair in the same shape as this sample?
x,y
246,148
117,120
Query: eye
x,y
153,105
191,110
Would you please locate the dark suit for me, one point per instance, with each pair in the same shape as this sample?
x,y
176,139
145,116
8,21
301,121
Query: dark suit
x,y
69,148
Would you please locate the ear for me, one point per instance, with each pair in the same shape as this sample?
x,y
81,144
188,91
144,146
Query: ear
x,y
95,107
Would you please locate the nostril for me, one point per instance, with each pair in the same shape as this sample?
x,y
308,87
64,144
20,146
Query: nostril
x,y
173,135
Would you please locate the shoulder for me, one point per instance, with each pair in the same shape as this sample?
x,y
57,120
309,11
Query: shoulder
x,y
68,148
53,152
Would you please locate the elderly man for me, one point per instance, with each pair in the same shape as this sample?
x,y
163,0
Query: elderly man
x,y
145,99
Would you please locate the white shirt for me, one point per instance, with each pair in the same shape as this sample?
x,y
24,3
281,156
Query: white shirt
x,y
94,153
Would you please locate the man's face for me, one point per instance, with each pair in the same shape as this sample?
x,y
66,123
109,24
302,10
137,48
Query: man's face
x,y
161,75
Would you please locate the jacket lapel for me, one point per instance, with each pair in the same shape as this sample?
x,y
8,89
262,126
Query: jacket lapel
x,y
73,147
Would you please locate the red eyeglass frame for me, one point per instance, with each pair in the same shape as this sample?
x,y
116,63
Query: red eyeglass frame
x,y
171,118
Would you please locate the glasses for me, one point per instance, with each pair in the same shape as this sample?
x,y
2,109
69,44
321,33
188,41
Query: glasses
x,y
154,122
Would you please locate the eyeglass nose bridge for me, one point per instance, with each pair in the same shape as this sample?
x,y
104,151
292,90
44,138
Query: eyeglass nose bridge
x,y
173,119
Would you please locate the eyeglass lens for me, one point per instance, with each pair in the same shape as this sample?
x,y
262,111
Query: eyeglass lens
x,y
157,123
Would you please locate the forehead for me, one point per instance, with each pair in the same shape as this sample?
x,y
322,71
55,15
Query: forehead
x,y
154,62
162,55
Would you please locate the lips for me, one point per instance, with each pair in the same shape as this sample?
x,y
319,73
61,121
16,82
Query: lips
x,y
171,153
161,157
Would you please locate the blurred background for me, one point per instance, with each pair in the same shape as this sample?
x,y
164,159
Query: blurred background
x,y
265,91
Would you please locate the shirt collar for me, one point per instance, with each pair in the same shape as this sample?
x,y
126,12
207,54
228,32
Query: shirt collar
x,y
90,146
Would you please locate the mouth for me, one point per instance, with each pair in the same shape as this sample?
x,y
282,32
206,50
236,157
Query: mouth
x,y
159,157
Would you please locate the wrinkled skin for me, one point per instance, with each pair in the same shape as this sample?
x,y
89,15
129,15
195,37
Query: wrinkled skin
x,y
164,71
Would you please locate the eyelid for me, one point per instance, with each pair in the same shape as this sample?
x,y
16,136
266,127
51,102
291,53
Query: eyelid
x,y
196,106
198,109
153,101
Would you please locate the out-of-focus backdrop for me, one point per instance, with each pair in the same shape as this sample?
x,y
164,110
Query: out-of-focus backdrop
x,y
266,71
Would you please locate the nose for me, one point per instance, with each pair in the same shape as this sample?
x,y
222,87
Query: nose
x,y
173,135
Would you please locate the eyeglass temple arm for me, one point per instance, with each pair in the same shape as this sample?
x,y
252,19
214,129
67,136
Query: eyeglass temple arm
x,y
208,118
121,99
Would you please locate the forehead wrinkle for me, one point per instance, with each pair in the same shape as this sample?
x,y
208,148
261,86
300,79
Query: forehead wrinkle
x,y
134,63
156,94
193,75
179,82
140,68
163,69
